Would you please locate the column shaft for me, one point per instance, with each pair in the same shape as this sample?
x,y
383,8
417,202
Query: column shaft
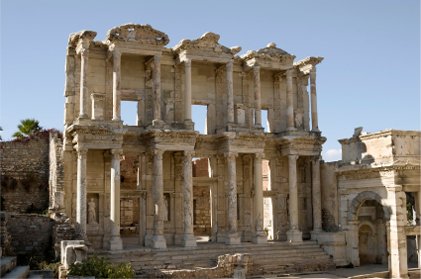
x,y
232,236
115,241
294,234
81,192
398,264
157,87
116,85
290,102
314,120
158,240
258,200
83,82
230,93
317,197
187,90
257,96
188,238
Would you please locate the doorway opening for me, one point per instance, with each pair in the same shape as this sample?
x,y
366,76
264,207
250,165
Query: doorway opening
x,y
202,199
372,233
200,117
267,201
129,113
265,121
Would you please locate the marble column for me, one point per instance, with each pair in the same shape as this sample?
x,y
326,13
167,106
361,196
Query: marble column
x,y
317,198
115,241
398,264
306,105
314,120
257,97
232,236
187,90
158,239
290,102
116,85
259,236
156,75
418,223
83,81
230,93
189,239
293,234
81,192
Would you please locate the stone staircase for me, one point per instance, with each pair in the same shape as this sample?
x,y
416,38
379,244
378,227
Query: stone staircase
x,y
9,269
271,258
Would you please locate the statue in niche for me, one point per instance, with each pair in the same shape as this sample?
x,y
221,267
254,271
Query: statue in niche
x,y
92,212
299,119
165,208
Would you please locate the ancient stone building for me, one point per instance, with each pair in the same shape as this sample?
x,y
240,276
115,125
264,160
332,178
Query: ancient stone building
x,y
373,197
133,184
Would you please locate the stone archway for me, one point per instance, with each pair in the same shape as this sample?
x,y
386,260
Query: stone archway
x,y
366,236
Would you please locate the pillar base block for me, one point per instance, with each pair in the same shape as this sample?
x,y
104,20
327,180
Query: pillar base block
x,y
294,236
116,243
158,123
315,234
315,130
159,242
232,239
189,125
291,129
260,238
189,240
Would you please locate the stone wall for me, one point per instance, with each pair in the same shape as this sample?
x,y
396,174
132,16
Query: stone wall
x,y
202,216
329,191
24,174
30,236
4,235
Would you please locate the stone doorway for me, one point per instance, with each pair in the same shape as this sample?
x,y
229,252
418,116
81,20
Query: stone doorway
x,y
372,233
202,199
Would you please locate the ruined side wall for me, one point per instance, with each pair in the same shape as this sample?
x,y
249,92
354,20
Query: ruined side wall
x,y
30,236
24,174
329,187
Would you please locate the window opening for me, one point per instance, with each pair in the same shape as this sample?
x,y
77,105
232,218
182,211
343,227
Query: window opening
x,y
129,113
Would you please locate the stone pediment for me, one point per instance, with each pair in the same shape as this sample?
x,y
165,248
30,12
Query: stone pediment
x,y
268,56
143,34
84,35
207,45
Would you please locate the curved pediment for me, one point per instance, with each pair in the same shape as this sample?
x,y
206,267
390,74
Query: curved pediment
x,y
208,42
143,34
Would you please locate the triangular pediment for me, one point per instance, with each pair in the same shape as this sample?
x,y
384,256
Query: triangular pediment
x,y
269,55
143,34
208,42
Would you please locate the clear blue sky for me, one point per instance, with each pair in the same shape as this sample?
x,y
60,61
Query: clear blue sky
x,y
370,76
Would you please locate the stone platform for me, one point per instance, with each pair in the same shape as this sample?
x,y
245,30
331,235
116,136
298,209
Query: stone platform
x,y
275,258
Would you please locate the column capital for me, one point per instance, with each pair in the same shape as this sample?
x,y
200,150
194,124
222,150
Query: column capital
x,y
259,155
188,153
316,158
293,157
81,150
230,63
117,153
230,155
158,153
157,58
187,62
256,69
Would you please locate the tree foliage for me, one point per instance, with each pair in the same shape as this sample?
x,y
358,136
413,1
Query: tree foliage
x,y
26,128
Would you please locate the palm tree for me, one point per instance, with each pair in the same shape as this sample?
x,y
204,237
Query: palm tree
x,y
27,127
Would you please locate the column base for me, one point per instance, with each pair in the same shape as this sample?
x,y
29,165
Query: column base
x,y
158,123
294,236
315,234
159,242
260,238
116,243
232,239
189,240
189,125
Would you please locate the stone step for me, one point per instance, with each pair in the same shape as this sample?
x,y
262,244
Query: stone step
x,y
19,272
7,264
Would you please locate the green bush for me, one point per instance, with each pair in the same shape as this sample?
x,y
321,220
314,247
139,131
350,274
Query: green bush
x,y
101,268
